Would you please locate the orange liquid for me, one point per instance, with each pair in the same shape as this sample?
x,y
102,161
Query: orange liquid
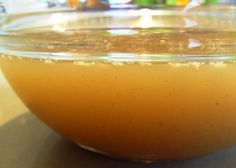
x,y
129,105
133,111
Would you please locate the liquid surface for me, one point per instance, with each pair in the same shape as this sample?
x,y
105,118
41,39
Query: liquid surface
x,y
127,44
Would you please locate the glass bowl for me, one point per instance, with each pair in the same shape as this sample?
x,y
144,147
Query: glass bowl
x,y
132,81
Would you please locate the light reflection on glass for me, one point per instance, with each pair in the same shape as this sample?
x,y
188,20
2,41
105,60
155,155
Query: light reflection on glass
x,y
189,23
194,43
192,5
146,20
123,32
58,21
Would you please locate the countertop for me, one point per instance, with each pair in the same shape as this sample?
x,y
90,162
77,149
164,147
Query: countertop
x,y
25,142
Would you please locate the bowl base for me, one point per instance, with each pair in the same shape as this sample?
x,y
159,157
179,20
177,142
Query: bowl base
x,y
111,156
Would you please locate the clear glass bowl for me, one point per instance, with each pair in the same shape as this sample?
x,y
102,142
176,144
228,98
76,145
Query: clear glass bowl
x,y
133,81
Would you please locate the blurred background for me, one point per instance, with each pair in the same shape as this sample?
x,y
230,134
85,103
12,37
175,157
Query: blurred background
x,y
29,5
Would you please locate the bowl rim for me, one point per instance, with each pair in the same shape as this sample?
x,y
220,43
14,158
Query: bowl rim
x,y
9,32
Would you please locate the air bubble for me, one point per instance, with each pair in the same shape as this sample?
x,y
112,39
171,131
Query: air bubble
x,y
9,57
145,63
218,64
82,63
195,65
179,65
163,42
50,47
19,58
48,61
130,62
118,63
73,50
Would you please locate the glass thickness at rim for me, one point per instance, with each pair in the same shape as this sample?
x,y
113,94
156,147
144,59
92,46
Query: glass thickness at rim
x,y
168,34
